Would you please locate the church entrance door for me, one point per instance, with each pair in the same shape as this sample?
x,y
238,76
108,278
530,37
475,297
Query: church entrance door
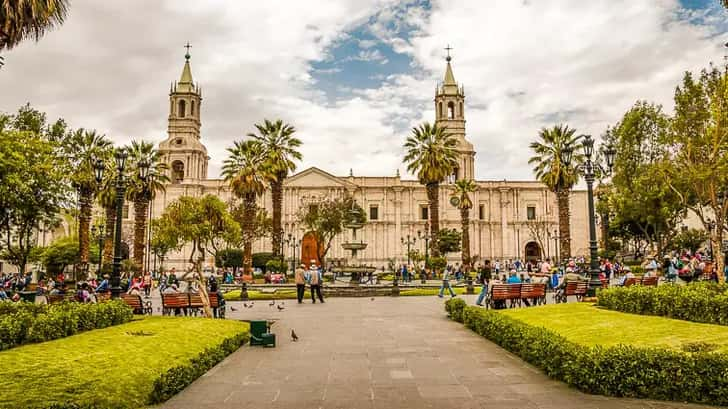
x,y
310,249
533,251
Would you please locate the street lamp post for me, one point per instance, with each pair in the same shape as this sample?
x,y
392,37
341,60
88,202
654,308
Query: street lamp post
x,y
426,237
589,169
411,240
293,243
100,238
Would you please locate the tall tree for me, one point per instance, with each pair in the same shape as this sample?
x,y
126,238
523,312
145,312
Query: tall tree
x,y
280,150
22,19
107,201
244,171
431,154
697,169
142,191
327,219
559,178
462,190
82,148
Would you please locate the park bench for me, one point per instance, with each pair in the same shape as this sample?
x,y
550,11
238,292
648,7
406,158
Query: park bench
x,y
215,304
136,304
649,281
534,292
605,283
174,302
59,298
499,292
577,289
630,281
103,296
514,294
190,303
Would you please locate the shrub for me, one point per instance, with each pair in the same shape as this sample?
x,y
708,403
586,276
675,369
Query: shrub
x,y
175,379
276,266
698,302
24,323
622,370
454,308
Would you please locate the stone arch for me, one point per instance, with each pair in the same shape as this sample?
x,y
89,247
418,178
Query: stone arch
x,y
178,171
532,251
450,110
181,108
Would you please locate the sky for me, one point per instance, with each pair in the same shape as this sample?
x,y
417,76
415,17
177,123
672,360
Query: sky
x,y
355,76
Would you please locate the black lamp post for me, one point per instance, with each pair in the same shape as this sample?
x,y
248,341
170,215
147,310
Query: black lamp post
x,y
292,242
426,237
411,240
100,238
589,169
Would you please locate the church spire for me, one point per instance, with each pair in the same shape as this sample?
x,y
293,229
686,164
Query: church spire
x,y
449,77
185,83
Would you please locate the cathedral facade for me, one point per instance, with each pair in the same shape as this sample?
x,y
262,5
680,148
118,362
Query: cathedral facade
x,y
503,216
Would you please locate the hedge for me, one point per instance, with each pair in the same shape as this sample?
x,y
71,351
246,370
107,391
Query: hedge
x,y
175,379
25,323
623,370
698,302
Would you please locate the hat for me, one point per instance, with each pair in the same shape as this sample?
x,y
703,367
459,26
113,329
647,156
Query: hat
x,y
313,261
666,257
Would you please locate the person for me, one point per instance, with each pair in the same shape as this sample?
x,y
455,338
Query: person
x,y
3,294
315,279
484,279
626,277
147,283
82,294
300,279
135,287
513,278
446,284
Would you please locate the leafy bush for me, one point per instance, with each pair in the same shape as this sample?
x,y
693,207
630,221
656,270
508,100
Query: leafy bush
x,y
260,259
622,370
276,266
23,323
454,308
699,302
229,258
175,379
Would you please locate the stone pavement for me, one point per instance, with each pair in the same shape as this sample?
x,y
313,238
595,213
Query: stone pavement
x,y
386,353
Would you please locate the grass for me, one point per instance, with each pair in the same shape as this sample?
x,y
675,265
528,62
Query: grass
x,y
110,367
590,325
280,294
434,291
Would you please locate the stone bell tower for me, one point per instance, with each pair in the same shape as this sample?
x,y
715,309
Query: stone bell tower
x,y
185,155
450,113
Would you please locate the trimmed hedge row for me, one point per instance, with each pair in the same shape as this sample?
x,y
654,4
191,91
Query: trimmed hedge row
x,y
698,302
25,323
623,370
175,379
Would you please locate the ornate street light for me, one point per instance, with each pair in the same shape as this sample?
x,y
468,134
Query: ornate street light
x,y
589,169
426,237
100,238
411,240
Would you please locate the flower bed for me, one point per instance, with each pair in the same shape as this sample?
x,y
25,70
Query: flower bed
x,y
698,302
619,369
24,323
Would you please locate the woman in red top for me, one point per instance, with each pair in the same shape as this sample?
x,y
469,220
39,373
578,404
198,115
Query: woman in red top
x,y
147,283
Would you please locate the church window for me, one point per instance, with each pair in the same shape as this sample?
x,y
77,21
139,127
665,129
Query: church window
x,y
450,110
181,108
531,213
192,108
313,208
424,212
178,171
461,110
481,212
373,212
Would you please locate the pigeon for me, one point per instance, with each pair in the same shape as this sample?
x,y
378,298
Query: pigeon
x,y
272,303
233,308
294,337
245,305
372,299
280,308
251,305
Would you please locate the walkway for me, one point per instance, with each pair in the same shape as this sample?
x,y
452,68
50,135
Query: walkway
x,y
386,353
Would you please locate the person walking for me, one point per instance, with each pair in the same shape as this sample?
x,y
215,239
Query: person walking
x,y
315,279
300,279
446,284
485,275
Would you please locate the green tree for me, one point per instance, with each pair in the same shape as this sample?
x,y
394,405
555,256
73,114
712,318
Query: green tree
x,y
199,222
64,252
461,194
637,204
690,239
248,179
142,191
431,154
229,258
82,148
448,241
23,19
107,201
559,178
697,169
280,149
327,219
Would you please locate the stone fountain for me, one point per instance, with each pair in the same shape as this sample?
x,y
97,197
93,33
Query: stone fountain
x,y
354,245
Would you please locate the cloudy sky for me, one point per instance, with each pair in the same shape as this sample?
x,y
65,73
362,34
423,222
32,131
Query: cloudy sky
x,y
354,76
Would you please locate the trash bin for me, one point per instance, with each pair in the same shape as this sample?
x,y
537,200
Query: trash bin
x,y
259,334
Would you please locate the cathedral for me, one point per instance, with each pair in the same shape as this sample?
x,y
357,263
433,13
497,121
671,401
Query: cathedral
x,y
503,216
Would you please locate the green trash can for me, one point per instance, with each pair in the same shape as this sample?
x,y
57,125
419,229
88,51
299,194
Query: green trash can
x,y
259,334
28,296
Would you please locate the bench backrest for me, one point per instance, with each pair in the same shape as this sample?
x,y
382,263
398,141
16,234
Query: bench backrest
x,y
514,291
214,300
582,287
500,292
134,301
174,300
649,281
630,281
195,300
570,288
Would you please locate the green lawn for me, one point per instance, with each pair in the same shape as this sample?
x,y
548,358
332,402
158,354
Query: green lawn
x,y
257,295
106,366
589,325
434,291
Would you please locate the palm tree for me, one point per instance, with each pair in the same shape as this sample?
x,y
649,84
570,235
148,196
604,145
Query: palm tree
x,y
20,19
244,170
82,148
107,200
432,156
559,178
280,150
142,192
463,188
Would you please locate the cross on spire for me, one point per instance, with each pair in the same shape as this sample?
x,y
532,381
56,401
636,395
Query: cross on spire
x,y
448,48
187,55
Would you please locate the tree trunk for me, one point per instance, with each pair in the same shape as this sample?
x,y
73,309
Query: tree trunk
x,y
277,196
140,230
109,239
84,223
433,197
564,225
249,208
465,254
718,258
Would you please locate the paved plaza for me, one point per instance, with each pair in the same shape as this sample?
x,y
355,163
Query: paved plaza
x,y
386,353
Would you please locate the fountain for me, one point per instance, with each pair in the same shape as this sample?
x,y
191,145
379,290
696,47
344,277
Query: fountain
x,y
354,245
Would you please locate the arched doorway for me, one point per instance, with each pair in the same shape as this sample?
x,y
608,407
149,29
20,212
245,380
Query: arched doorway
x,y
310,249
532,251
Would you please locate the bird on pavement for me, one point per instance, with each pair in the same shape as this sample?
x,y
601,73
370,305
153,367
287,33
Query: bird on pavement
x,y
372,299
245,305
280,308
251,305
294,337
233,308
272,303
